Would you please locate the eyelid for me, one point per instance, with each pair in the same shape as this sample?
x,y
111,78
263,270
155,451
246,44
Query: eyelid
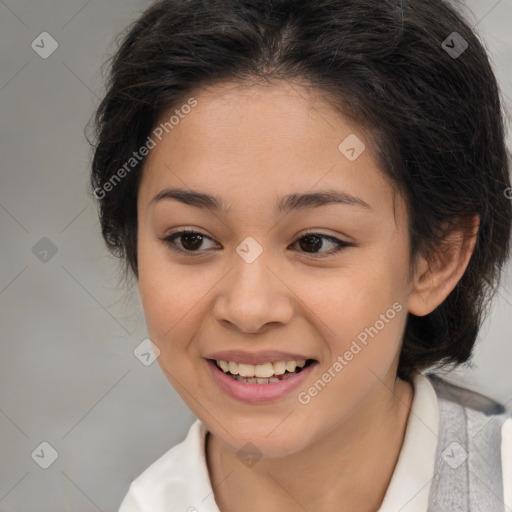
x,y
168,240
340,244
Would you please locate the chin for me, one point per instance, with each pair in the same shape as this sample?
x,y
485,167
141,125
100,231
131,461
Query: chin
x,y
264,441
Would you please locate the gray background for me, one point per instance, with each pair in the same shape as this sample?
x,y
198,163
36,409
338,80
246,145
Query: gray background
x,y
68,373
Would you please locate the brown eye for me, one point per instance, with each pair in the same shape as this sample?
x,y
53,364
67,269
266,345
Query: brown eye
x,y
190,241
312,243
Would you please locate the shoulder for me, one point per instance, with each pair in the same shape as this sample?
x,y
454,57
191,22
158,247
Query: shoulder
x,y
166,483
463,396
484,419
474,451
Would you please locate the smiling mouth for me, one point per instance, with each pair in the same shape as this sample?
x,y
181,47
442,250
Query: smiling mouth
x,y
261,380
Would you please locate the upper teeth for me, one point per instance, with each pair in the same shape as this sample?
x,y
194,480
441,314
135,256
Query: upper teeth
x,y
263,371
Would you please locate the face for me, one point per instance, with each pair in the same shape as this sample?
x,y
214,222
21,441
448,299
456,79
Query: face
x,y
320,280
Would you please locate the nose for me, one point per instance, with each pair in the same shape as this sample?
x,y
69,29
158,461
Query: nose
x,y
254,296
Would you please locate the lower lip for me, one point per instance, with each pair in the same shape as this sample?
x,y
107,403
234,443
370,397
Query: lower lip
x,y
258,393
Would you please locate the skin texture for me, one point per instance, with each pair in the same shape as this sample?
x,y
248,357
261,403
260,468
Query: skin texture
x,y
251,146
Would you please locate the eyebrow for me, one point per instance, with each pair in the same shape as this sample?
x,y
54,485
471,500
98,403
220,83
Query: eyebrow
x,y
285,204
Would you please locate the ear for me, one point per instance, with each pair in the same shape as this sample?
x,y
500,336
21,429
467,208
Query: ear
x,y
436,277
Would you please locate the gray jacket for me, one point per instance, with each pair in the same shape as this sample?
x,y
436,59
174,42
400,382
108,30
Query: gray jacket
x,y
468,472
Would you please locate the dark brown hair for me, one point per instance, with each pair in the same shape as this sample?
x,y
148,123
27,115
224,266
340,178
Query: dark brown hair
x,y
434,115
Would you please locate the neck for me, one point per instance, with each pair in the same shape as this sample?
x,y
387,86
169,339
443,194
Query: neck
x,y
348,469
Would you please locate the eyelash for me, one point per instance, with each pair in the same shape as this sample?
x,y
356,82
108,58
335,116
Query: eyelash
x,y
169,241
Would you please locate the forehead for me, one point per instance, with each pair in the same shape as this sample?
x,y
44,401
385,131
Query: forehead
x,y
258,113
248,140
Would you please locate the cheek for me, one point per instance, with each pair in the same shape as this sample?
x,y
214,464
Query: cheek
x,y
169,323
361,316
361,312
164,293
166,303
174,297
351,299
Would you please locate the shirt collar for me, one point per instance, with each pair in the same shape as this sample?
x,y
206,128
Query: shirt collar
x,y
410,483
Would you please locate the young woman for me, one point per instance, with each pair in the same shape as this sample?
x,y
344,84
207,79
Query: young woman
x,y
314,198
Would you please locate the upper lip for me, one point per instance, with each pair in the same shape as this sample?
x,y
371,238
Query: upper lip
x,y
265,356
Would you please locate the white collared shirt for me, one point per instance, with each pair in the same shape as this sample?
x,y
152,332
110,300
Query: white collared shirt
x,y
179,481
